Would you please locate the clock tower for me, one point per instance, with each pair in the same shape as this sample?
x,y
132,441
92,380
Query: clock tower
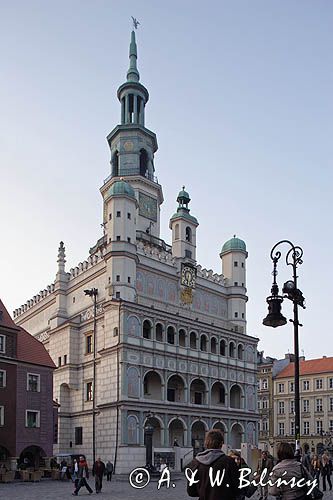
x,y
132,147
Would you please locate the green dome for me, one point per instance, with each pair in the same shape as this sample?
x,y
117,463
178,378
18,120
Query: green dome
x,y
120,188
235,244
183,196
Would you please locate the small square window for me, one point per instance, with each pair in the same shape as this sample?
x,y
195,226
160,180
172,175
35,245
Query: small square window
x,y
33,382
59,361
115,332
243,315
235,263
2,343
128,279
242,264
32,419
89,391
236,314
118,238
128,215
117,295
118,213
118,277
129,240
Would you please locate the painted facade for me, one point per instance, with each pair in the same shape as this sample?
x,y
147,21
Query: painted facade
x,y
171,342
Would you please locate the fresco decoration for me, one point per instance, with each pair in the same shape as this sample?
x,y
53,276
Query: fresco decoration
x,y
140,282
133,326
250,399
250,431
132,430
133,382
152,285
208,303
249,354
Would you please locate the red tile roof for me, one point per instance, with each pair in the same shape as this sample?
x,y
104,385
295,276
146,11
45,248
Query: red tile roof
x,y
29,349
309,367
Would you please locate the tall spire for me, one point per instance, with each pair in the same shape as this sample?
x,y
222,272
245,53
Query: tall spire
x,y
133,73
61,258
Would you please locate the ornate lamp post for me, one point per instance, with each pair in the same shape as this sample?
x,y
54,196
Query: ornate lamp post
x,y
92,292
275,318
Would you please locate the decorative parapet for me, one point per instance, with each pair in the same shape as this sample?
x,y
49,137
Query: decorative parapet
x,y
87,264
155,252
208,274
43,337
35,300
89,313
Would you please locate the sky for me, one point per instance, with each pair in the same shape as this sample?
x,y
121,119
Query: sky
x,y
241,102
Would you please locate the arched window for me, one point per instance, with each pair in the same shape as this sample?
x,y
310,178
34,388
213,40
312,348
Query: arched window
x,y
232,350
240,351
159,332
235,396
188,234
182,337
146,329
265,384
171,335
143,162
177,232
203,343
222,347
193,340
213,345
115,164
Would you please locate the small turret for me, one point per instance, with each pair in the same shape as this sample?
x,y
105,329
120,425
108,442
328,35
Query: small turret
x,y
183,226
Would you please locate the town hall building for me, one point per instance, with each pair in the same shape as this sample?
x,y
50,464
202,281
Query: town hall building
x,y
170,346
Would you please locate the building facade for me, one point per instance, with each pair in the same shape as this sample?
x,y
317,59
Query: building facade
x,y
171,342
316,404
26,403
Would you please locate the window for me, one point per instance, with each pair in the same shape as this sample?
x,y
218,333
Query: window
x,y
78,435
243,315
73,300
128,279
118,213
265,384
259,404
128,240
89,346
331,426
188,234
265,425
177,232
281,428
115,332
306,405
306,428
118,238
319,383
2,378
292,406
171,335
281,407
118,277
128,216
65,359
264,404
306,385
33,382
236,314
331,404
89,391
2,343
330,383
32,419
292,428
59,361
188,254
235,263
117,295
319,426
242,264
319,404
236,283
292,386
280,387
2,415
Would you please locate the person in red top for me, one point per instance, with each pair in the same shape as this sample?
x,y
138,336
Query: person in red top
x,y
83,475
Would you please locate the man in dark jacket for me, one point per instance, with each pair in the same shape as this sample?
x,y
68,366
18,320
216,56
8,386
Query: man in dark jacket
x,y
210,465
83,475
98,472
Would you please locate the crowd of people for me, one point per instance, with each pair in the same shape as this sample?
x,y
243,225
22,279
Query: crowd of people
x,y
290,466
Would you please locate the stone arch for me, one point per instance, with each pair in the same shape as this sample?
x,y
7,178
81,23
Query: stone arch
x,y
176,389
188,234
132,429
198,391
249,354
250,398
222,347
133,325
182,337
213,345
133,382
236,435
159,330
32,456
203,342
235,397
198,433
157,424
147,329
177,231
152,385
171,335
232,349
193,340
218,393
240,351
221,427
177,429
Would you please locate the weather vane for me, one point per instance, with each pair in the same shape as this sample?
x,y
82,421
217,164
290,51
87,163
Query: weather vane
x,y
135,22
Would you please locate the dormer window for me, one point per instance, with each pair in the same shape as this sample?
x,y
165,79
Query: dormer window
x,y
2,344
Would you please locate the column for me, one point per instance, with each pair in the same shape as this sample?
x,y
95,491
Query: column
x,y
142,113
135,108
126,108
123,110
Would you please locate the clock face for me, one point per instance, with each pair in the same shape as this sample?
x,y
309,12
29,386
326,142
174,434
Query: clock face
x,y
128,146
188,276
147,207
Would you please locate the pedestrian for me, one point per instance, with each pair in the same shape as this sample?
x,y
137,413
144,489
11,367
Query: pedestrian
x,y
98,472
240,462
83,475
315,467
75,477
109,470
264,463
326,470
215,459
287,468
306,460
63,469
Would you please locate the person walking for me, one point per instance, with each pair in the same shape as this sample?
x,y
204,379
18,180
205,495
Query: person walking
x,y
244,492
75,477
264,463
83,475
98,472
326,470
215,459
315,467
109,470
288,467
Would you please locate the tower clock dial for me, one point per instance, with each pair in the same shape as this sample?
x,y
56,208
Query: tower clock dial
x,y
147,207
188,276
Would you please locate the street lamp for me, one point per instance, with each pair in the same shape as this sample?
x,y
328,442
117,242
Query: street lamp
x,y
275,318
92,292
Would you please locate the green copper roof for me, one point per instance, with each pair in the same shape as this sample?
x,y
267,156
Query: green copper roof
x,y
121,188
183,196
133,73
184,214
234,244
